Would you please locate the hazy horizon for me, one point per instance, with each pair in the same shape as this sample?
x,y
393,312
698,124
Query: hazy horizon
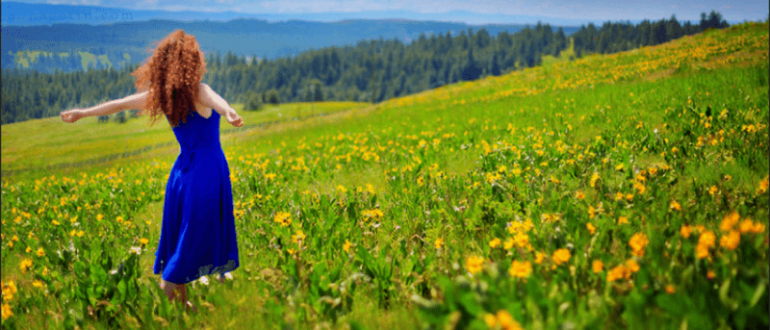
x,y
557,12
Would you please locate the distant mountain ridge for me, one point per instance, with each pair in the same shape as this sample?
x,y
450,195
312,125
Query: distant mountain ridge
x,y
128,42
25,14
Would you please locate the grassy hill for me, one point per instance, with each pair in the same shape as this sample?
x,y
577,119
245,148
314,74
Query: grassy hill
x,y
620,191
88,140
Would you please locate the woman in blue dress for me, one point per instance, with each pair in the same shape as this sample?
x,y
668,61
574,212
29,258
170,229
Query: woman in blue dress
x,y
198,231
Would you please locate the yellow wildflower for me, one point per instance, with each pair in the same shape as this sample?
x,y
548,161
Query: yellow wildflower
x,y
706,241
594,178
508,244
638,242
580,195
6,312
597,266
520,269
618,272
25,265
494,243
730,241
748,226
640,187
622,220
729,221
506,321
473,264
591,228
561,256
632,265
490,320
686,231
438,243
283,218
346,246
299,237
373,214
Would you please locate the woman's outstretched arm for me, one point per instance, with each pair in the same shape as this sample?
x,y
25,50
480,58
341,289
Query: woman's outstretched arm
x,y
211,99
135,101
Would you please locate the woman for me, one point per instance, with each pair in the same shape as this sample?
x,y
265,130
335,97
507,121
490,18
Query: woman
x,y
198,231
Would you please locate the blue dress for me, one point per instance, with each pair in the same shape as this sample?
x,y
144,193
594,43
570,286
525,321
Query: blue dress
x,y
197,236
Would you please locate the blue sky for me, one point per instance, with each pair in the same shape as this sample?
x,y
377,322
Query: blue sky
x,y
493,11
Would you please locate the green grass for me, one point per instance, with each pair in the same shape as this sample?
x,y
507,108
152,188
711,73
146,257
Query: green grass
x,y
54,143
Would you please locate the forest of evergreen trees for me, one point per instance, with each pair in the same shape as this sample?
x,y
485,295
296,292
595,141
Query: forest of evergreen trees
x,y
373,70
618,37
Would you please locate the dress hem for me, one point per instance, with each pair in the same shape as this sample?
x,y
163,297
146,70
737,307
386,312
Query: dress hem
x,y
205,271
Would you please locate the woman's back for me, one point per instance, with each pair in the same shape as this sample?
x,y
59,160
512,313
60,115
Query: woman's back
x,y
198,131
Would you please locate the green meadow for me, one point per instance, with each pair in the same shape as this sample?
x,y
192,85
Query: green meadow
x,y
612,191
88,139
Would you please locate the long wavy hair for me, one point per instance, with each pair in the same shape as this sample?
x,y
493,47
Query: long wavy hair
x,y
172,74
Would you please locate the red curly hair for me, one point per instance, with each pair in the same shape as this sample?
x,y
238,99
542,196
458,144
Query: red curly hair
x,y
172,74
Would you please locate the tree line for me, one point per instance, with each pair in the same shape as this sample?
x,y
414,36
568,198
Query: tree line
x,y
622,36
370,71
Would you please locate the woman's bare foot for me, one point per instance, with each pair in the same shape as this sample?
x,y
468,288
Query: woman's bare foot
x,y
190,307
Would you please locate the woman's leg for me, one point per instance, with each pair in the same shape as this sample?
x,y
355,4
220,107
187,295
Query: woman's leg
x,y
182,292
170,288
183,298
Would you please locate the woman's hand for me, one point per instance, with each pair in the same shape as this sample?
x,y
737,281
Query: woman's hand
x,y
234,119
71,116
